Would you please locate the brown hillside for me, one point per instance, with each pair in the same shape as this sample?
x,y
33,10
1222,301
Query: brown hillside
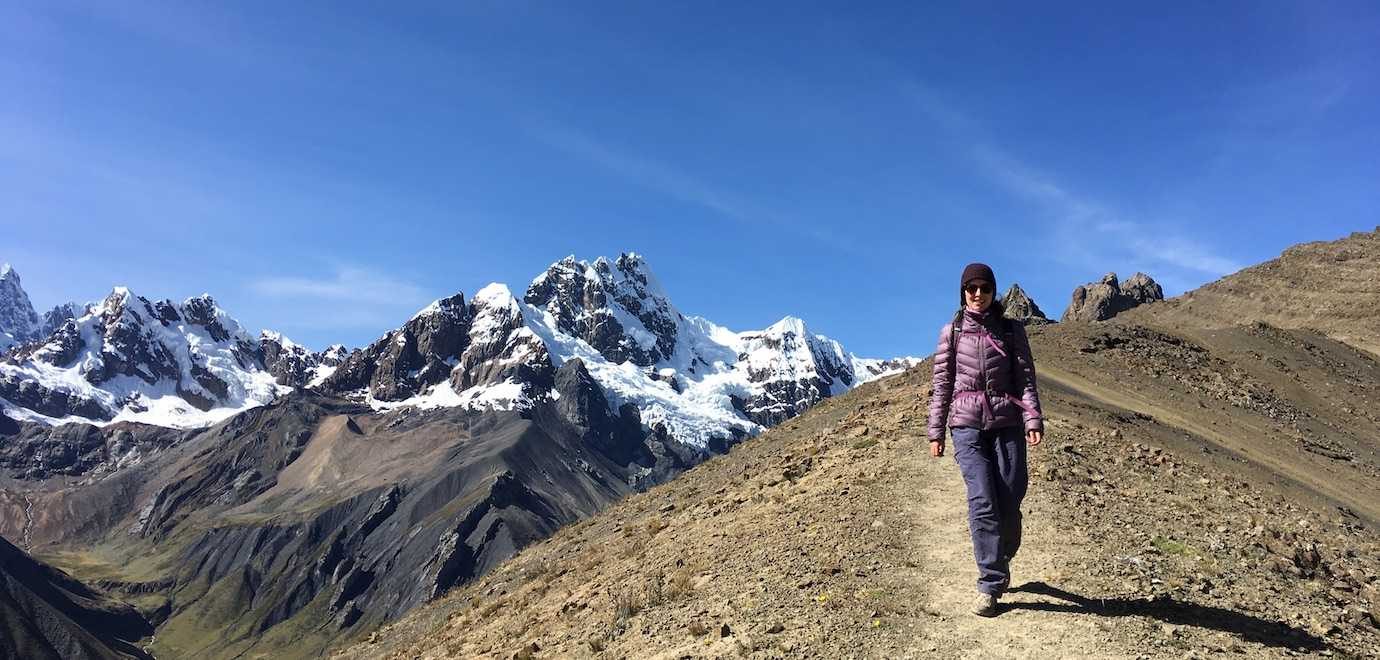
x,y
1329,286
1199,492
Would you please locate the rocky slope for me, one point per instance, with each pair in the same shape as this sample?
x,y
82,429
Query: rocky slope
x,y
310,518
1325,286
47,615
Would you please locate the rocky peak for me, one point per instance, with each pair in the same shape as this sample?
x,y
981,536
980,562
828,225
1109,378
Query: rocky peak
x,y
1022,307
18,321
55,317
202,310
407,361
1099,301
618,307
450,345
335,354
793,368
296,365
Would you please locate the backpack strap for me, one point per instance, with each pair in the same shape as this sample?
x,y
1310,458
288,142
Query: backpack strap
x,y
1008,329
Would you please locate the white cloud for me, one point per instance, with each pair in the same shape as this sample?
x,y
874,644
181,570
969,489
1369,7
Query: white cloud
x,y
1081,229
349,284
676,184
651,174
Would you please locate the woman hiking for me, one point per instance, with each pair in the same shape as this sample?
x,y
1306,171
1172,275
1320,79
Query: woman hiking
x,y
984,393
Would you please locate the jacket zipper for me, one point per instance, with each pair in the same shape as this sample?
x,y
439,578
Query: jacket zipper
x,y
982,370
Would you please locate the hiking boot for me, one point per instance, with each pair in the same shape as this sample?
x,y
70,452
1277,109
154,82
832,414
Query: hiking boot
x,y
985,605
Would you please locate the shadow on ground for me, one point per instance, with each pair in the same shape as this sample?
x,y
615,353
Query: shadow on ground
x,y
1250,628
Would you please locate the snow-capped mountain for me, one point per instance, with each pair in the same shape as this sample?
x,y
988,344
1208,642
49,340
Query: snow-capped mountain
x,y
18,321
129,358
681,377
686,377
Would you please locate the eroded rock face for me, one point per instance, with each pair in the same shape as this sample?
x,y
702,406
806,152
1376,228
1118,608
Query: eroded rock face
x,y
1021,307
451,344
1100,301
49,401
582,403
37,451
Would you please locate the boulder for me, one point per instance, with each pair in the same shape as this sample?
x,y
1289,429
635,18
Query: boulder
x,y
1099,301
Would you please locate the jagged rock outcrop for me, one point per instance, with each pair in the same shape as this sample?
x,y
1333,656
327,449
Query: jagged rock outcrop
x,y
45,614
406,361
18,321
454,352
296,365
617,307
1099,301
1021,307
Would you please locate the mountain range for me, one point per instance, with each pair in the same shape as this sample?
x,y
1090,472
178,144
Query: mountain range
x,y
250,495
189,364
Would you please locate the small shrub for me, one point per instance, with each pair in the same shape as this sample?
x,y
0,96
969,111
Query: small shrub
x,y
697,629
655,590
680,584
1169,546
625,606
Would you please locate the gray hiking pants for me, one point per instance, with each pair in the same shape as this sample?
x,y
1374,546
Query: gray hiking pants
x,y
993,467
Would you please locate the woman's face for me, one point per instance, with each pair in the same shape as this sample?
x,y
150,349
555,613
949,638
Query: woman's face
x,y
977,295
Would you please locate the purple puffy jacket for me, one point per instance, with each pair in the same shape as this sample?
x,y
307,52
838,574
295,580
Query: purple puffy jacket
x,y
978,387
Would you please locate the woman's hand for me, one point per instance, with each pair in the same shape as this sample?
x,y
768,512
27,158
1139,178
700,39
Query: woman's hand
x,y
1033,438
936,448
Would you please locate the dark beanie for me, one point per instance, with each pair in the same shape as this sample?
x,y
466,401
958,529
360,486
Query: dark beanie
x,y
978,272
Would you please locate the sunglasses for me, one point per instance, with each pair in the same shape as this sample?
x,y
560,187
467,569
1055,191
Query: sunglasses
x,y
978,288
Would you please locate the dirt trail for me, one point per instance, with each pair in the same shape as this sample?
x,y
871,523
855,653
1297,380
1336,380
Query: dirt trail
x,y
942,551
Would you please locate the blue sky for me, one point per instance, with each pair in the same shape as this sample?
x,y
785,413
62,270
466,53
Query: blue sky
x,y
327,170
